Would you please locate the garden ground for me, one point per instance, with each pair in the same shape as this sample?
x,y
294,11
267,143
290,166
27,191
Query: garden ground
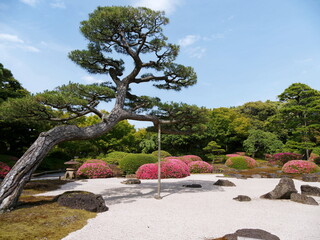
x,y
184,213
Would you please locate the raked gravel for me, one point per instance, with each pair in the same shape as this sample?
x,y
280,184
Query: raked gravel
x,y
193,213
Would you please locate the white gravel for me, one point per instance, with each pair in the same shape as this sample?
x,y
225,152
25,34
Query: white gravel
x,y
193,214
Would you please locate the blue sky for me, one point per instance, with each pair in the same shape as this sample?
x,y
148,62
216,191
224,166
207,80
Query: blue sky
x,y
242,50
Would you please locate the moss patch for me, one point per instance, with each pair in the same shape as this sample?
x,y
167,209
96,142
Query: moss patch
x,y
39,217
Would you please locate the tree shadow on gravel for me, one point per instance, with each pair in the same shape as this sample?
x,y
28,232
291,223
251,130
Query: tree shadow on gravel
x,y
131,193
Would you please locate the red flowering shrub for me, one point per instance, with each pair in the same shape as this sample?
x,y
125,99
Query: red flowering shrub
x,y
300,166
282,158
200,167
4,169
174,168
170,168
232,155
241,162
94,168
186,159
147,171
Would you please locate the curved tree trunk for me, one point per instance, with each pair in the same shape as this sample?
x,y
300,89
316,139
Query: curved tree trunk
x,y
12,185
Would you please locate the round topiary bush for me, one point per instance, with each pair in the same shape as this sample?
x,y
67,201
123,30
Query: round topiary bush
x,y
4,169
241,162
174,168
163,154
200,167
94,168
132,162
282,158
114,157
147,171
300,166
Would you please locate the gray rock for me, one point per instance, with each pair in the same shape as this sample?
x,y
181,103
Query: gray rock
x,y
272,175
310,177
242,198
82,200
300,198
256,176
192,186
282,191
224,183
257,234
131,181
238,176
310,190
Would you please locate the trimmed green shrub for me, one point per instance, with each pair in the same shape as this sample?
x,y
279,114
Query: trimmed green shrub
x,y
163,154
317,160
241,162
114,157
132,162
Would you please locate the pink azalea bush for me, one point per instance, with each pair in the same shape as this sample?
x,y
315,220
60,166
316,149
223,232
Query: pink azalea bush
x,y
174,168
186,158
4,169
300,166
241,162
200,167
94,168
232,155
147,171
170,168
282,158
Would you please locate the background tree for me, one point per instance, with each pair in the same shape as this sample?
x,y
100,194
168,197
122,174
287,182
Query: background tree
x,y
126,31
260,142
300,112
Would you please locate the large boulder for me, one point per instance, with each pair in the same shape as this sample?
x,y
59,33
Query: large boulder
x,y
251,234
224,183
82,200
282,191
300,198
310,190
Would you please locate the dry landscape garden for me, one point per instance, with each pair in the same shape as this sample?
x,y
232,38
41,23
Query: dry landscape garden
x,y
257,153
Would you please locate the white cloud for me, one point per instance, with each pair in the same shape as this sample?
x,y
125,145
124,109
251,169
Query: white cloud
x,y
31,3
197,52
169,6
188,40
10,38
29,48
90,79
58,4
13,41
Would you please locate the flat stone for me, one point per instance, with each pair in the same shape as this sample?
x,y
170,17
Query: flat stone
x,y
310,177
282,191
300,198
310,190
224,183
192,186
256,176
131,181
257,234
242,198
82,200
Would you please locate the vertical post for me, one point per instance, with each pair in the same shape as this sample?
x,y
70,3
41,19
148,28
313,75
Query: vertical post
x,y
159,165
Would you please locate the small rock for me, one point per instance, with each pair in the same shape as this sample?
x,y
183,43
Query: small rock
x,y
300,198
282,191
192,186
82,200
224,183
257,234
242,198
310,178
310,190
131,181
256,176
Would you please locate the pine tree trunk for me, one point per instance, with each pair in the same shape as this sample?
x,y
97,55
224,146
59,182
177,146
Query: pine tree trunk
x,y
12,185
